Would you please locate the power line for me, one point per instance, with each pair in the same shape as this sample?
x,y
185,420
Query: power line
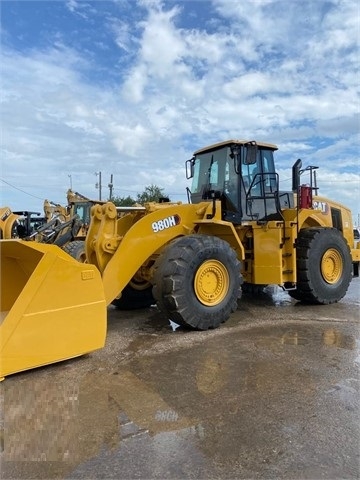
x,y
20,190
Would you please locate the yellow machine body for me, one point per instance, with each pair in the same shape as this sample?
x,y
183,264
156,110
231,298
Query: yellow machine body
x,y
192,259
124,247
52,307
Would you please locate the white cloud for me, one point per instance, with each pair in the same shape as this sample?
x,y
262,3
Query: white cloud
x,y
122,33
129,140
282,72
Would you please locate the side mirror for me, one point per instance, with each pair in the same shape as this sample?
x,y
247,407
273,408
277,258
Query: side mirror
x,y
189,168
251,153
296,170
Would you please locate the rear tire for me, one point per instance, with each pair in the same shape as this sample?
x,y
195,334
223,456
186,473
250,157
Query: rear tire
x,y
324,266
76,249
197,281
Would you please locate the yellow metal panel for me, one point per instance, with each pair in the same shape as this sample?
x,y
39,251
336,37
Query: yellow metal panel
x,y
268,262
7,220
224,230
355,253
52,307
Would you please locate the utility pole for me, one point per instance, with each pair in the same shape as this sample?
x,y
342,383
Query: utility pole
x,y
110,185
98,184
70,182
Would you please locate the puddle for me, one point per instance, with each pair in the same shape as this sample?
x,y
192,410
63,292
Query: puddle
x,y
276,296
329,337
293,338
224,406
269,295
158,323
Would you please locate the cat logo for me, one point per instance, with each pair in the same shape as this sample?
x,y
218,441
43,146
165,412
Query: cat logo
x,y
323,207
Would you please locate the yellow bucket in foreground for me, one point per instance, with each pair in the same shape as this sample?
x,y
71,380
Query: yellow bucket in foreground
x,y
52,307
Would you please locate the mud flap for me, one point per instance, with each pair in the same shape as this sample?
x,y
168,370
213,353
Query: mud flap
x,y
52,307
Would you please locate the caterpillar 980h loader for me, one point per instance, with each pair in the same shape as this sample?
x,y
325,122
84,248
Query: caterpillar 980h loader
x,y
237,231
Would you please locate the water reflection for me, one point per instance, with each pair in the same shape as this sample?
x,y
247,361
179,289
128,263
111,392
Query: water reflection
x,y
267,295
235,397
293,338
38,421
335,338
69,421
211,375
301,336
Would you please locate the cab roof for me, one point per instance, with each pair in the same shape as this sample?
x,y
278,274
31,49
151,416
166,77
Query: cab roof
x,y
215,146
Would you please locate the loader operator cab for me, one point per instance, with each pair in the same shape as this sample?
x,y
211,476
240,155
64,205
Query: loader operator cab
x,y
242,175
82,209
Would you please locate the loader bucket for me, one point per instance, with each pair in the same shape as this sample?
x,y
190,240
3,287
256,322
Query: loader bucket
x,y
52,307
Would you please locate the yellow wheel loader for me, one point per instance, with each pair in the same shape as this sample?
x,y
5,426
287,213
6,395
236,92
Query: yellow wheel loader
x,y
63,226
8,223
19,224
238,231
68,225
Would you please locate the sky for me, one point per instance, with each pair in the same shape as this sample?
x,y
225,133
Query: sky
x,y
131,88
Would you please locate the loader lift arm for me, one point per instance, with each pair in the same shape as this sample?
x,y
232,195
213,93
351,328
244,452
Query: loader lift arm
x,y
120,247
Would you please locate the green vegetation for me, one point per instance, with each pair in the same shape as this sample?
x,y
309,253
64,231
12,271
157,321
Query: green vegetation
x,y
152,193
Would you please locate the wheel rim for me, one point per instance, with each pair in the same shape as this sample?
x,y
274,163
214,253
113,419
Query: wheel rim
x,y
82,257
331,266
211,283
139,283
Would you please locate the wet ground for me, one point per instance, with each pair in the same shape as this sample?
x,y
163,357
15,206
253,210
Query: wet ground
x,y
273,393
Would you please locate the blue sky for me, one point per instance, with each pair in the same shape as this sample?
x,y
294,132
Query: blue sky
x,y
133,87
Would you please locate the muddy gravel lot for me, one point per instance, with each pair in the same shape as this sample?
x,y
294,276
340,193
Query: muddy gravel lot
x,y
272,393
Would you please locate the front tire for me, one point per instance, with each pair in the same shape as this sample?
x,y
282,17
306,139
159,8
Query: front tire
x,y
76,249
324,266
197,281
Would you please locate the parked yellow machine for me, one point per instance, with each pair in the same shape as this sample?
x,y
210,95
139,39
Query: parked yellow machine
x,y
70,223
238,230
65,226
8,223
19,224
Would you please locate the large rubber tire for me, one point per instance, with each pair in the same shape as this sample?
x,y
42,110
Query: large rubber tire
x,y
134,298
76,249
197,281
324,266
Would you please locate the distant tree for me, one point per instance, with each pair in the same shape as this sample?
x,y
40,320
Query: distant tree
x,y
152,193
123,201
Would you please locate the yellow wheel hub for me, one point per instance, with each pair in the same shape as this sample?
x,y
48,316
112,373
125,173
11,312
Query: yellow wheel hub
x,y
211,283
331,266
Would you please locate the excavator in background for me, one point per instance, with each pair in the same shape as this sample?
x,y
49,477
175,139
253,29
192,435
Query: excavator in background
x,y
238,231
65,226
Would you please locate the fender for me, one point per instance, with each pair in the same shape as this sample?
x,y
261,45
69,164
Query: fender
x,y
147,237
